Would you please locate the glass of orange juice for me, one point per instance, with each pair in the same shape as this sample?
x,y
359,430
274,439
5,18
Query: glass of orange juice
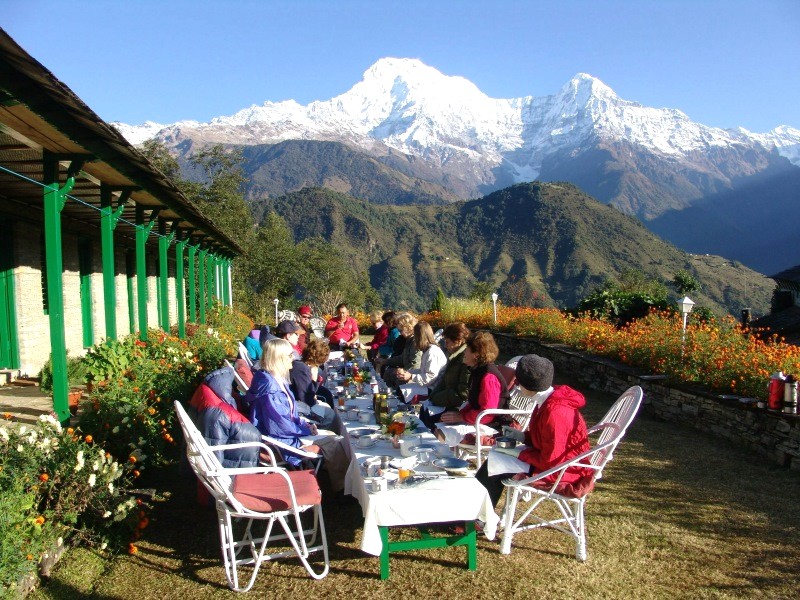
x,y
404,473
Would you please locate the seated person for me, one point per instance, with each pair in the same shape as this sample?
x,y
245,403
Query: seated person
x,y
307,377
220,422
342,330
290,331
386,349
557,433
273,406
487,389
410,358
416,382
380,337
450,392
304,314
253,347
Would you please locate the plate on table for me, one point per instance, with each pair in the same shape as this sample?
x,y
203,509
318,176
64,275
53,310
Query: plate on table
x,y
361,431
452,465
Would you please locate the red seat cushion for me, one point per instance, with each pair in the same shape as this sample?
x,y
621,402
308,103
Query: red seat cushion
x,y
270,492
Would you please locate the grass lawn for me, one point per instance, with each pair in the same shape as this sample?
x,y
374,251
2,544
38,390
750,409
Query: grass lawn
x,y
677,515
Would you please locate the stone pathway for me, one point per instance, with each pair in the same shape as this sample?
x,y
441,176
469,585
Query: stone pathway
x,y
24,401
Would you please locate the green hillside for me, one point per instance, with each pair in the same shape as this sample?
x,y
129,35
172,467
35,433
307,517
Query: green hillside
x,y
275,169
542,244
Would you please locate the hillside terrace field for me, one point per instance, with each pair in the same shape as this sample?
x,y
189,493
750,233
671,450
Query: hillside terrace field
x,y
677,515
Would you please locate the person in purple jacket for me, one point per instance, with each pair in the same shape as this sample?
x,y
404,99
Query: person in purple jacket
x,y
273,405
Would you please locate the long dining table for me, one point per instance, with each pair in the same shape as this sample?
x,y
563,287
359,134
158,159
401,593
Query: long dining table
x,y
430,496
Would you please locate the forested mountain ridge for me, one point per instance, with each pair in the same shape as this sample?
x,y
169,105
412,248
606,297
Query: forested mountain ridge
x,y
545,244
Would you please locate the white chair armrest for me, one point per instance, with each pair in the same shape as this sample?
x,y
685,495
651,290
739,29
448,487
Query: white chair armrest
x,y
288,448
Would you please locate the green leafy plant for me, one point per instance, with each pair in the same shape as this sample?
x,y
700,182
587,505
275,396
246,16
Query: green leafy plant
x,y
76,373
57,485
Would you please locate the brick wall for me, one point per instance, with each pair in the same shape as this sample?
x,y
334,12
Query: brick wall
x,y
774,436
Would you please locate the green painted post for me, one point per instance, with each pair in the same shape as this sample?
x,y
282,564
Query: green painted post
x,y
54,200
130,273
210,280
180,295
108,222
201,291
226,281
163,273
192,285
142,232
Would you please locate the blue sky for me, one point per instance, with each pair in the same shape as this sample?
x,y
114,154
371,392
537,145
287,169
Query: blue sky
x,y
724,63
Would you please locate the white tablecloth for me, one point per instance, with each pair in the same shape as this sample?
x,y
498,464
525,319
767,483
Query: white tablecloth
x,y
438,500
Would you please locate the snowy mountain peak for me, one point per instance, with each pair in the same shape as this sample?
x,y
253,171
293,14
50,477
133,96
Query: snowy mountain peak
x,y
412,107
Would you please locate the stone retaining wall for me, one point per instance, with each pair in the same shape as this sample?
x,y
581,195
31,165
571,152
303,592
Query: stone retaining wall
x,y
769,434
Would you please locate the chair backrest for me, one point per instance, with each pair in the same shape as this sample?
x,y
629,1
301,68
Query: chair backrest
x,y
521,400
613,426
509,374
204,462
240,383
244,354
623,411
286,315
318,326
513,362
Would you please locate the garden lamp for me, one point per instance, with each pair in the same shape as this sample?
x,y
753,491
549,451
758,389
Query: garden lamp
x,y
686,307
275,302
494,306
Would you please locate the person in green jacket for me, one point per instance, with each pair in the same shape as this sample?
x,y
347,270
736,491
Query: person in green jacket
x,y
451,391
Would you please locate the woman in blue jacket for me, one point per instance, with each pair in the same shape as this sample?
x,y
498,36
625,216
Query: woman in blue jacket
x,y
273,409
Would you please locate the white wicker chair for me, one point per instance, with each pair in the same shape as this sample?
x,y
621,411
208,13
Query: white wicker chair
x,y
286,315
259,497
533,493
318,326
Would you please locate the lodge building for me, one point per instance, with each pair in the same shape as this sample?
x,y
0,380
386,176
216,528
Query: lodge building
x,y
95,242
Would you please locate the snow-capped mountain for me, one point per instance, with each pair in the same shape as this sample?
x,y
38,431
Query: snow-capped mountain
x,y
478,144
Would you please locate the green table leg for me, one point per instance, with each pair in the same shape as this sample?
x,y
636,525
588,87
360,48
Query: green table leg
x,y
384,552
472,545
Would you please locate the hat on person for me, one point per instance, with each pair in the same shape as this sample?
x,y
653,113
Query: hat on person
x,y
534,372
287,327
305,311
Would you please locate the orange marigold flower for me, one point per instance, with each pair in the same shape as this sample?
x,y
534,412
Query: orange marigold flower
x,y
151,410
88,439
8,416
39,520
70,431
132,459
132,549
44,477
29,557
136,473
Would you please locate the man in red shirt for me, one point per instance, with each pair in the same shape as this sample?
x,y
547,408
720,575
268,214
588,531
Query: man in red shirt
x,y
342,330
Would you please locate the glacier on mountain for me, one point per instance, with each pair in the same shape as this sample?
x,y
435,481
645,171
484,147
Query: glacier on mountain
x,y
413,108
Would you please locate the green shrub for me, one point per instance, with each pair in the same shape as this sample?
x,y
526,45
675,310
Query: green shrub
x,y
55,485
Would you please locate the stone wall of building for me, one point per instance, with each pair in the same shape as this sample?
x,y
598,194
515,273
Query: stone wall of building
x,y
772,435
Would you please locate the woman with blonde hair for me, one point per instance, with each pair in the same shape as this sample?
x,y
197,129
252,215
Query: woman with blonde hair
x,y
273,409
433,361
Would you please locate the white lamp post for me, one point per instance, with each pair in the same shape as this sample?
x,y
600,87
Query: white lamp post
x,y
275,302
494,306
686,307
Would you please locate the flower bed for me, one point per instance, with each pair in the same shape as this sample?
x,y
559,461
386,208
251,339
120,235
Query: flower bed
x,y
719,355
74,484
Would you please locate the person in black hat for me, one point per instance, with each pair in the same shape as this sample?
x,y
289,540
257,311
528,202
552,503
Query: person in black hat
x,y
556,433
290,331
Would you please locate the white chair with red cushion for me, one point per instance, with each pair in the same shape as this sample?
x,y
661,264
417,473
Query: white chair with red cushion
x,y
530,493
257,497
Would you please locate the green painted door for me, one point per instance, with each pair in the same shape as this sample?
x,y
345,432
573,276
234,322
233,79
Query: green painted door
x,y
9,342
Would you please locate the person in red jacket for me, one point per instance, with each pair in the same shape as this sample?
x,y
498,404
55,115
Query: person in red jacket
x,y
556,433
